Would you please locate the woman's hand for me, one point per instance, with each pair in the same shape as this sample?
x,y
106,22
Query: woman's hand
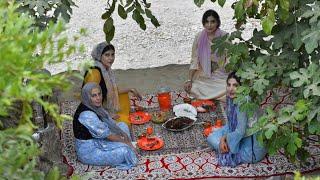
x,y
115,116
123,139
224,145
136,93
188,86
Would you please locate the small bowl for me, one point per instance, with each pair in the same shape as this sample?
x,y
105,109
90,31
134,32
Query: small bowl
x,y
159,117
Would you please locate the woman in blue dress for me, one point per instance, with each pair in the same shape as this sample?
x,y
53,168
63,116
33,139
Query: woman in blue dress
x,y
99,140
230,142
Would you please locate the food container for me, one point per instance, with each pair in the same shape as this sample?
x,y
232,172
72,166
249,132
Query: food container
x,y
179,123
164,99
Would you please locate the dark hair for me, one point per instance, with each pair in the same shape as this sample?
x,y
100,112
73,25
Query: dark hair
x,y
107,48
209,13
233,75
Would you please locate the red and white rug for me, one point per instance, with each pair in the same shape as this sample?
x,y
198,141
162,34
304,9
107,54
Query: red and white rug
x,y
200,163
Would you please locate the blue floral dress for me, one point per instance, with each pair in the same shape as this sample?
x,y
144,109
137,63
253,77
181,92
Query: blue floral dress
x,y
241,149
100,151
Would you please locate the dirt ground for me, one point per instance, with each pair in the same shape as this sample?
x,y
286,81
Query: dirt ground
x,y
145,80
137,49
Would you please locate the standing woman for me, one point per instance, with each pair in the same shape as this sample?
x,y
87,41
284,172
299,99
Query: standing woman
x,y
114,100
231,143
207,69
99,140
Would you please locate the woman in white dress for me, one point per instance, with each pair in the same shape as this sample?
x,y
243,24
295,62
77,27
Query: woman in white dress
x,y
207,74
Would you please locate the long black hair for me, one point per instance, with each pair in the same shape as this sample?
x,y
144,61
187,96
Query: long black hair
x,y
212,13
233,75
107,48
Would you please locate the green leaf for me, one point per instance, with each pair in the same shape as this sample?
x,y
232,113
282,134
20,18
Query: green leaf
x,y
291,148
131,8
284,4
283,14
147,5
298,142
129,2
271,129
285,115
53,174
314,127
293,144
311,39
259,85
198,2
296,41
221,2
313,113
139,19
154,20
268,22
122,13
106,15
109,29
300,78
249,107
239,11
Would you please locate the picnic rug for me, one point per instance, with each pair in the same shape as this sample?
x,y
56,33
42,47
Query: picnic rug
x,y
184,160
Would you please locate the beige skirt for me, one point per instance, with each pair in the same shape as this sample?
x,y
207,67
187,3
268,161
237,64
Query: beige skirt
x,y
208,88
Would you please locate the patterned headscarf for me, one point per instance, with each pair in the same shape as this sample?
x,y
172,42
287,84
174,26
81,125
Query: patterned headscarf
x,y
97,51
112,103
229,159
100,111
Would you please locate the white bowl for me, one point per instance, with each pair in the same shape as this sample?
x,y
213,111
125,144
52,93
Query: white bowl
x,y
185,110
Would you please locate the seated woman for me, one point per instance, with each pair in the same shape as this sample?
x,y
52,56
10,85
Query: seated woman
x,y
207,69
98,139
230,142
117,100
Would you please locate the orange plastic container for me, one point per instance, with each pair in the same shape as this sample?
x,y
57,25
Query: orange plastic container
x,y
218,123
164,100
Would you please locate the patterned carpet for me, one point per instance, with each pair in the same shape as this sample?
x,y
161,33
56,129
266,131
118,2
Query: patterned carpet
x,y
187,156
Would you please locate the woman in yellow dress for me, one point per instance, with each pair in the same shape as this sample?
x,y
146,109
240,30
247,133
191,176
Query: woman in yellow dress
x,y
115,101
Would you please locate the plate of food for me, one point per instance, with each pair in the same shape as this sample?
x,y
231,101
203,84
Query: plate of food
x,y
150,143
139,117
178,123
203,105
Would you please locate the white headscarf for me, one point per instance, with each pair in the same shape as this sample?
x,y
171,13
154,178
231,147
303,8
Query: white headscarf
x,y
112,104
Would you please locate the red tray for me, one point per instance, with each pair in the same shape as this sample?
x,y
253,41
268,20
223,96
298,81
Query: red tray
x,y
139,117
150,144
207,131
198,103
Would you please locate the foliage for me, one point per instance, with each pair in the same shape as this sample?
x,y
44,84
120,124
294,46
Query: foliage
x,y
45,11
24,52
298,176
18,155
284,54
140,10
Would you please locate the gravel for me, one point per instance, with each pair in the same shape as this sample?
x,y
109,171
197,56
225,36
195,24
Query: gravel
x,y
135,49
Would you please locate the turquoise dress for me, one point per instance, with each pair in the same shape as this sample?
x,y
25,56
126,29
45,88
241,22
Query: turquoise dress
x,y
241,149
99,151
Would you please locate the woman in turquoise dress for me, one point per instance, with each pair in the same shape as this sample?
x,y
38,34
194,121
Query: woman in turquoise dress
x,y
99,140
230,142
